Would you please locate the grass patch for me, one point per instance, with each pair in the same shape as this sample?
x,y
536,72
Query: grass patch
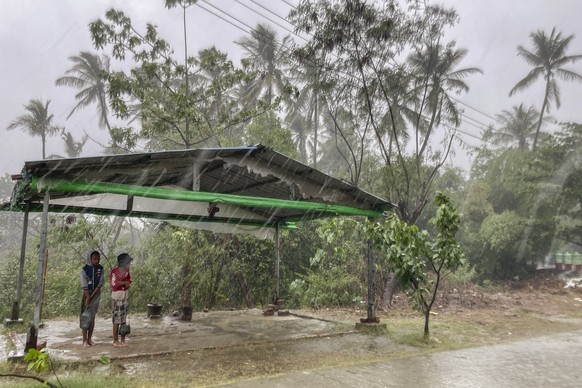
x,y
471,329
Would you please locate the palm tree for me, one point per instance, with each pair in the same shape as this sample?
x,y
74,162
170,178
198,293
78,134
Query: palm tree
x,y
37,122
264,55
88,75
547,58
305,110
73,148
436,70
518,126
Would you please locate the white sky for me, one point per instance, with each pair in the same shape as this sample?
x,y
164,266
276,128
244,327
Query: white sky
x,y
37,37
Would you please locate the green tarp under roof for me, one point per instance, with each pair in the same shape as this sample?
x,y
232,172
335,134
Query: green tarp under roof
x,y
243,189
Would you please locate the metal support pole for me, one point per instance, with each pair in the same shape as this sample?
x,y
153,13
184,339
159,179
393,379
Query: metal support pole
x,y
41,261
45,266
277,258
371,284
15,316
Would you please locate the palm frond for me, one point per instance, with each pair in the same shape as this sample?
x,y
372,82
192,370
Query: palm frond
x,y
529,79
568,75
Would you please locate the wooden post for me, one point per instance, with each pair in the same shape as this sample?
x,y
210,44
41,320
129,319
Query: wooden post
x,y
15,316
371,284
41,261
277,257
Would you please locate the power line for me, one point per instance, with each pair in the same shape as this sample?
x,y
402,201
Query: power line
x,y
469,134
475,109
274,13
480,125
227,14
410,74
220,17
289,4
263,16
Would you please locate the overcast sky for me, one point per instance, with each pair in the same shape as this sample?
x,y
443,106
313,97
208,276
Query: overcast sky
x,y
37,37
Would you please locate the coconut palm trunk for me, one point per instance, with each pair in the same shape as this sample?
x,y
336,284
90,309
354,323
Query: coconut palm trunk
x,y
544,105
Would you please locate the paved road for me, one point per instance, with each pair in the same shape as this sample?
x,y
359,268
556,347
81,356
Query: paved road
x,y
554,361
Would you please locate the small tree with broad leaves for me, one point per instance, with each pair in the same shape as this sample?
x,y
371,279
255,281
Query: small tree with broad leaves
x,y
420,261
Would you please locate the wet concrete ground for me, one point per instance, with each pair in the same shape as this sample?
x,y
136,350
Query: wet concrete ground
x,y
169,334
551,361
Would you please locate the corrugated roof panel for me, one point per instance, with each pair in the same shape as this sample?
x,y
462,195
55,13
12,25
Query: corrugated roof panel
x,y
244,171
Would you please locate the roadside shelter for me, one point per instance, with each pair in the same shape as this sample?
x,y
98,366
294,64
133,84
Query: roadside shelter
x,y
251,189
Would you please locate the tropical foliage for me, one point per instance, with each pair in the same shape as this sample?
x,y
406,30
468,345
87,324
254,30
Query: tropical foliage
x,y
547,57
370,96
420,261
376,101
37,122
88,74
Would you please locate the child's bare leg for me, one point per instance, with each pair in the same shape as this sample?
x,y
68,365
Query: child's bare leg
x,y
90,334
115,334
85,338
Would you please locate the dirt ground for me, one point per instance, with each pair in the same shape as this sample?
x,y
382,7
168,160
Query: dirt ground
x,y
549,292
222,347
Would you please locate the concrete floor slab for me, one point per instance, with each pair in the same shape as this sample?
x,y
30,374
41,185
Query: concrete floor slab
x,y
150,336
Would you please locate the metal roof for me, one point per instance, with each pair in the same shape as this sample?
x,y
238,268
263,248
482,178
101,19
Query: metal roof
x,y
231,174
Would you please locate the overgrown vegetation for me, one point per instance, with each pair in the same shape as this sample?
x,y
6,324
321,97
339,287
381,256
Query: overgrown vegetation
x,y
348,102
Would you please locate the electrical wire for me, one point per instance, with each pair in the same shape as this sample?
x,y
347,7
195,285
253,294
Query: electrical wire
x,y
263,16
480,125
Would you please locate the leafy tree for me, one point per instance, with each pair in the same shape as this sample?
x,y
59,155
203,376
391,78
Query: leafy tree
x,y
419,261
566,154
267,130
180,105
359,46
10,222
503,246
476,208
547,56
519,193
297,247
333,277
89,74
37,122
195,269
215,71
173,112
347,142
248,277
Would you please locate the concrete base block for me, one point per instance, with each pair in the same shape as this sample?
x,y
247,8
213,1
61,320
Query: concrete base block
x,y
15,357
375,328
9,321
